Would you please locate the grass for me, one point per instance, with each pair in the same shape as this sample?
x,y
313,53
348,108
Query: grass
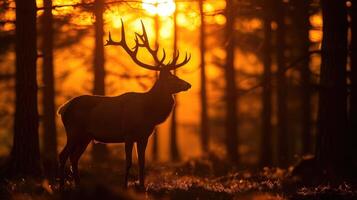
x,y
203,178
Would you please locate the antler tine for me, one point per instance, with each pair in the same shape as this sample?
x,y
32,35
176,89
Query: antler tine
x,y
144,38
110,41
122,32
137,44
173,65
164,56
174,59
177,57
122,41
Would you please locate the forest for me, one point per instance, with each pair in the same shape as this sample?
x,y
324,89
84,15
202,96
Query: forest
x,y
178,99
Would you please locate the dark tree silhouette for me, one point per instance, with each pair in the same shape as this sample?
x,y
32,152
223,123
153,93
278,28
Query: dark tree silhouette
x,y
25,153
353,98
204,115
231,97
266,144
99,152
302,25
280,46
50,133
332,113
155,138
173,128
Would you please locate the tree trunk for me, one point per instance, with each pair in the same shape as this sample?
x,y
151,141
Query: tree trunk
x,y
175,156
173,136
25,153
100,151
332,114
155,145
303,27
204,114
301,23
353,97
49,123
231,88
283,142
266,148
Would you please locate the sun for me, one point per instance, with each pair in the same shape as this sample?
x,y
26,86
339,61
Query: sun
x,y
160,7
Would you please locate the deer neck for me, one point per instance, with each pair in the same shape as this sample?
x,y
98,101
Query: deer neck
x,y
160,102
159,91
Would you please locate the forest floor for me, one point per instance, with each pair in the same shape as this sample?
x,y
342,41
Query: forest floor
x,y
203,178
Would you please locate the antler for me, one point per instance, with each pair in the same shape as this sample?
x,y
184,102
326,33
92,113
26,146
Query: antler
x,y
159,63
133,53
173,64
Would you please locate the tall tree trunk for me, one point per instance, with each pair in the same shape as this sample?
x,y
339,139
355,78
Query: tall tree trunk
x,y
50,133
332,114
155,145
231,88
100,151
266,148
353,99
302,25
173,129
25,153
204,115
283,144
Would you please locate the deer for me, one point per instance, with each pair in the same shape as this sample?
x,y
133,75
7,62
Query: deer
x,y
128,118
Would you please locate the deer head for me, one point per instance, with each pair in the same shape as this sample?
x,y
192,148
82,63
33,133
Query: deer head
x,y
167,81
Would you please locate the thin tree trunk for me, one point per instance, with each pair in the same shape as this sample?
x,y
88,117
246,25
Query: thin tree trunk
x,y
332,114
267,146
204,114
49,123
283,144
353,99
302,24
155,145
100,151
306,80
173,136
25,152
231,88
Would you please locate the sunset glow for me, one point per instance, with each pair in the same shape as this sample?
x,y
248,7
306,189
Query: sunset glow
x,y
160,7
178,99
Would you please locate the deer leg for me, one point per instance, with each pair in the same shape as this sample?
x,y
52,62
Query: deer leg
x,y
74,157
141,144
63,156
128,159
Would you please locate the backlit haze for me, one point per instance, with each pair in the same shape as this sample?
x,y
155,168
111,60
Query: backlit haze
x,y
73,64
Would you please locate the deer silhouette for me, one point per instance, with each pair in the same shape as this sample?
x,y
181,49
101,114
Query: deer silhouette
x,y
128,118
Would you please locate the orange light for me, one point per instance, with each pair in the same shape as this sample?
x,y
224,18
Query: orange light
x,y
160,7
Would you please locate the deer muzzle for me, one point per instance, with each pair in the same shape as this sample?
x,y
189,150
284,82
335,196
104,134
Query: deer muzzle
x,y
186,86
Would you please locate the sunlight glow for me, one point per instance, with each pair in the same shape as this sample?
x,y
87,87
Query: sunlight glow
x,y
160,7
66,9
316,20
220,19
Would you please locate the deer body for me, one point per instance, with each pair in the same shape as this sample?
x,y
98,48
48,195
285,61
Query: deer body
x,y
121,118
